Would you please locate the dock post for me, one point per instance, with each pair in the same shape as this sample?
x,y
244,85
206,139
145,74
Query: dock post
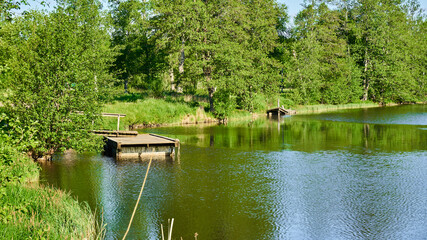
x,y
178,150
118,122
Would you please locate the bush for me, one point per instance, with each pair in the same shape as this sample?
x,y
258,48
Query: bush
x,y
15,167
224,104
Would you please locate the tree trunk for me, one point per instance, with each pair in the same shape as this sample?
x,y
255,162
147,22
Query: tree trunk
x,y
126,86
211,90
172,79
366,80
211,103
181,59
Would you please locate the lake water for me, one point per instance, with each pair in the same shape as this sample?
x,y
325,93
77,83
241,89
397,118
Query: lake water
x,y
351,174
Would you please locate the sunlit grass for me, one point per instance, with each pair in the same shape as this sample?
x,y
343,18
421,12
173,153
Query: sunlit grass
x,y
44,213
30,211
303,109
152,111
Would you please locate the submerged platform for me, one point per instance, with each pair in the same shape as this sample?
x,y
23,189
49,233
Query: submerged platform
x,y
141,146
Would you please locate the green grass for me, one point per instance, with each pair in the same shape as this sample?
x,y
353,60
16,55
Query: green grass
x,y
43,213
239,114
28,211
141,111
304,109
152,111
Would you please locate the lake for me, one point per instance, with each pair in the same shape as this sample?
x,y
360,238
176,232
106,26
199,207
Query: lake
x,y
349,174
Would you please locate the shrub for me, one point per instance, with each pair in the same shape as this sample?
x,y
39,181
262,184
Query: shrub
x,y
15,167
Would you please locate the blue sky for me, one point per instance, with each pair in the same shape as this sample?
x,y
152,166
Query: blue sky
x,y
294,6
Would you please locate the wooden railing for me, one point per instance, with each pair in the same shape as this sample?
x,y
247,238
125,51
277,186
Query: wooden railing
x,y
117,115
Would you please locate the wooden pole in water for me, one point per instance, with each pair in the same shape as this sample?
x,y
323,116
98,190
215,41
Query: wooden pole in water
x,y
139,197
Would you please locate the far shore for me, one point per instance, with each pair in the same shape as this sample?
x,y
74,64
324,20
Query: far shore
x,y
243,115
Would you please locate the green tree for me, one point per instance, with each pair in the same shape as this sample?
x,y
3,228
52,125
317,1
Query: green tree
x,y
6,6
386,44
322,68
138,64
58,68
221,46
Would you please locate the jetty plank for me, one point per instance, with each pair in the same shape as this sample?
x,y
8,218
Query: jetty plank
x,y
115,133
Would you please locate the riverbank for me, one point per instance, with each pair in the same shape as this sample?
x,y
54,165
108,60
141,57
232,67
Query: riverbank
x,y
152,112
319,108
31,211
148,113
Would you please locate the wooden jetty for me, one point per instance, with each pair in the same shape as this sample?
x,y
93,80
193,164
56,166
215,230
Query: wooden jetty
x,y
280,111
141,146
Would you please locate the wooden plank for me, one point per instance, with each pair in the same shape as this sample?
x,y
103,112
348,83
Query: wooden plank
x,y
115,133
113,115
106,114
167,138
142,139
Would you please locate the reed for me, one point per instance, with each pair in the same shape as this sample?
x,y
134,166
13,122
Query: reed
x,y
169,232
32,212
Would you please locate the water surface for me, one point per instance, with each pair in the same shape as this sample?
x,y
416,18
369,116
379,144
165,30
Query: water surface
x,y
353,174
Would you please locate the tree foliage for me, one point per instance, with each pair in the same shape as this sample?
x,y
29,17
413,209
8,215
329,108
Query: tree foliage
x,y
57,72
362,49
139,63
221,46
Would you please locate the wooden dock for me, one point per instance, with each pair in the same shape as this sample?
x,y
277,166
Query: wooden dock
x,y
141,146
280,111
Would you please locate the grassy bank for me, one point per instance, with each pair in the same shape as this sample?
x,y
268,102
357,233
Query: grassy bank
x,y
152,112
30,211
307,109
44,213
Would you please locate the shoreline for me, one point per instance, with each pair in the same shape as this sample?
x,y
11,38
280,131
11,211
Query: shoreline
x,y
301,109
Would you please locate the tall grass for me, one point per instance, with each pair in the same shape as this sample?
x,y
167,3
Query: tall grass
x,y
43,213
153,111
28,211
304,109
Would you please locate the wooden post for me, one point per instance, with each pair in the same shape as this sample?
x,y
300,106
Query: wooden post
x,y
278,102
118,122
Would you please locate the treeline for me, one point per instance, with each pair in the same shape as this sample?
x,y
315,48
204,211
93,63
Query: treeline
x,y
349,50
240,52
236,51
